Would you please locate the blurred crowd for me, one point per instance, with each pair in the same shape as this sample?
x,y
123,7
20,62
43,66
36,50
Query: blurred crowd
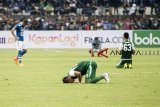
x,y
81,14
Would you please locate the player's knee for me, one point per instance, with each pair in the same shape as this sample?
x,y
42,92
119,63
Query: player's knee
x,y
25,50
119,66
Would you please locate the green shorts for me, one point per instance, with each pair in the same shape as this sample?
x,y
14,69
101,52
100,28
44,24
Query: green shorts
x,y
91,71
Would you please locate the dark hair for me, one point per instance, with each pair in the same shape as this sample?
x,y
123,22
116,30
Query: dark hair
x,y
24,20
65,79
96,38
126,35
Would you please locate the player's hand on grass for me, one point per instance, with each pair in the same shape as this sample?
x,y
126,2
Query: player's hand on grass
x,y
77,81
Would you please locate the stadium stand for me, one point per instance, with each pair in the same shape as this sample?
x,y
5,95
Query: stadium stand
x,y
81,14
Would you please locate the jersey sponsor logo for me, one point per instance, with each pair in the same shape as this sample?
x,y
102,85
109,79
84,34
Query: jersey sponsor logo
x,y
146,38
2,40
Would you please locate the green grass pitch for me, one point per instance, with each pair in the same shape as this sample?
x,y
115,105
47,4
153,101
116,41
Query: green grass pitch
x,y
38,83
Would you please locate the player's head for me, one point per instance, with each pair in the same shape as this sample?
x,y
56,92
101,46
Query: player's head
x,y
96,38
126,35
24,21
67,79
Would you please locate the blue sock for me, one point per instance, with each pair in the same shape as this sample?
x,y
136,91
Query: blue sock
x,y
20,56
23,52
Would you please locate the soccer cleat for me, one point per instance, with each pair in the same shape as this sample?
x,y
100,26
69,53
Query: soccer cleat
x,y
106,77
130,66
125,65
16,60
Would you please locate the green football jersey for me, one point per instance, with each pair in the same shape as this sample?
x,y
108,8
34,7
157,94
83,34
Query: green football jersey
x,y
127,49
85,67
82,67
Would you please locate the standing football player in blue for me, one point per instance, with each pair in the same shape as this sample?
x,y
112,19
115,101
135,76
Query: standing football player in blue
x,y
19,39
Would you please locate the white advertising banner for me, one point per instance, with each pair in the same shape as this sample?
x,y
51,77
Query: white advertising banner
x,y
65,39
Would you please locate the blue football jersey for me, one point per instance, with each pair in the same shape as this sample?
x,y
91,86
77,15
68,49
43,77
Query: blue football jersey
x,y
19,31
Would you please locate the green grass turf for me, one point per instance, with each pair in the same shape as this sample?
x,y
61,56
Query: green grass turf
x,y
38,83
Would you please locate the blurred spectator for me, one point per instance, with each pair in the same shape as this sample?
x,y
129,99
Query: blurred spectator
x,y
73,7
116,4
32,10
150,23
142,24
71,26
50,25
15,8
80,14
120,24
49,8
87,26
127,24
157,9
22,5
79,11
126,9
133,10
152,4
108,9
88,10
141,9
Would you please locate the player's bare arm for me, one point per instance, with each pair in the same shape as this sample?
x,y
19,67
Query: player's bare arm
x,y
133,51
79,76
120,52
12,31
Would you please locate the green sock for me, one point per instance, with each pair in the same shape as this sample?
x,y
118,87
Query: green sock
x,y
96,79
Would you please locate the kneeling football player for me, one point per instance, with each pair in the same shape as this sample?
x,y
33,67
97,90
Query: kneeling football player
x,y
96,47
126,49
